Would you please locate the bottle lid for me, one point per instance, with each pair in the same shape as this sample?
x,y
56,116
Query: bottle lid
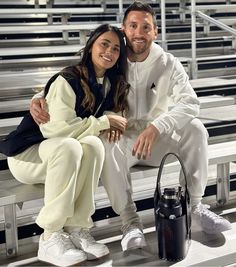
x,y
169,193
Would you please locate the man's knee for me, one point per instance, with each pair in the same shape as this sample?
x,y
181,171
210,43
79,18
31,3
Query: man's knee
x,y
196,129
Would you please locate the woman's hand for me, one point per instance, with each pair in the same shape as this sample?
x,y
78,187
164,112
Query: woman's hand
x,y
117,122
38,110
113,135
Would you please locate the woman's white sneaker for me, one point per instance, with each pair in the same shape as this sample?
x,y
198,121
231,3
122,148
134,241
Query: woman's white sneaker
x,y
83,240
59,250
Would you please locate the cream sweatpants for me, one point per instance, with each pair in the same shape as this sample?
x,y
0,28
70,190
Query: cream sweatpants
x,y
190,143
70,170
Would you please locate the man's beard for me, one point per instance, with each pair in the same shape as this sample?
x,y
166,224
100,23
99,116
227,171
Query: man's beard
x,y
135,49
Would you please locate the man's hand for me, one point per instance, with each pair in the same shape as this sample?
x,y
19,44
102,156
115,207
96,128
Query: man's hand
x,y
38,110
144,143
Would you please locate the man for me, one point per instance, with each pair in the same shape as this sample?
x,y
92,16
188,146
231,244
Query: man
x,y
161,119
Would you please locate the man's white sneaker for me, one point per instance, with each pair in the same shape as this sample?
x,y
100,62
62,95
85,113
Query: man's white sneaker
x,y
133,238
59,250
210,222
83,240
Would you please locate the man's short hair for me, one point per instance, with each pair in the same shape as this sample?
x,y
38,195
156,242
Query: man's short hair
x,y
140,6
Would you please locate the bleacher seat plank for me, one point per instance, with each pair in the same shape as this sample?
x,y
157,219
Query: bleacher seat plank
x,y
63,28
49,61
221,8
40,50
216,58
216,101
218,114
207,103
21,192
228,21
71,10
213,81
14,105
222,152
8,125
51,28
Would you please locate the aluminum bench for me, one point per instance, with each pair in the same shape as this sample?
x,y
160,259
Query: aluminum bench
x,y
13,192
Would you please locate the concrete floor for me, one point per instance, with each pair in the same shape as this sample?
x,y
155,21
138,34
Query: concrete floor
x,y
205,250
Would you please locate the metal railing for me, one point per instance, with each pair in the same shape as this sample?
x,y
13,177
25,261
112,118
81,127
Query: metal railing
x,y
196,13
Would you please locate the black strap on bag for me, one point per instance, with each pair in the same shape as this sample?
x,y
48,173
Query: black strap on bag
x,y
185,198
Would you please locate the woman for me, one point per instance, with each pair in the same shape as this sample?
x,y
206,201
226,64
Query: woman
x,y
65,153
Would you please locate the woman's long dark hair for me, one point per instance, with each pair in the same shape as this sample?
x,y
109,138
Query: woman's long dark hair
x,y
116,74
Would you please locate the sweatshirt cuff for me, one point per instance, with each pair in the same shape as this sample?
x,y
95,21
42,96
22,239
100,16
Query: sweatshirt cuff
x,y
103,123
38,95
159,126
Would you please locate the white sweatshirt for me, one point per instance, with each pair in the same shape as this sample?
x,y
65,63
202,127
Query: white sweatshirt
x,y
160,93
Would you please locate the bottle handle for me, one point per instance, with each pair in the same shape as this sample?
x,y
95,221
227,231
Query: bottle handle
x,y
157,194
161,168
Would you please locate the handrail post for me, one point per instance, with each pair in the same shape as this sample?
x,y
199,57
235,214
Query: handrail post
x,y
49,4
193,74
182,5
121,13
163,25
36,4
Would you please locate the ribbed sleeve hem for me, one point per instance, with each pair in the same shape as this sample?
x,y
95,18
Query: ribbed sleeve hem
x,y
103,122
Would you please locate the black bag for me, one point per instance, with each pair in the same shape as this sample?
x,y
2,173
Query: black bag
x,y
173,218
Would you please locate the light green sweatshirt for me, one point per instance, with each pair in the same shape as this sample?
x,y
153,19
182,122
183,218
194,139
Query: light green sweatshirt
x,y
64,122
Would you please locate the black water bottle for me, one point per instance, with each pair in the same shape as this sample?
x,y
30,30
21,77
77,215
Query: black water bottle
x,y
170,206
172,218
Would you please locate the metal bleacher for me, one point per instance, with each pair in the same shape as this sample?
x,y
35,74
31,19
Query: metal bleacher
x,y
39,37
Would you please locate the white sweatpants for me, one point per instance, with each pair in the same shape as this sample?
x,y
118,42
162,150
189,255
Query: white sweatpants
x,y
191,146
70,170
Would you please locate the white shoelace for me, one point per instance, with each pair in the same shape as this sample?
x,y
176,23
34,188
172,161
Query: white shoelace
x,y
86,235
65,239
